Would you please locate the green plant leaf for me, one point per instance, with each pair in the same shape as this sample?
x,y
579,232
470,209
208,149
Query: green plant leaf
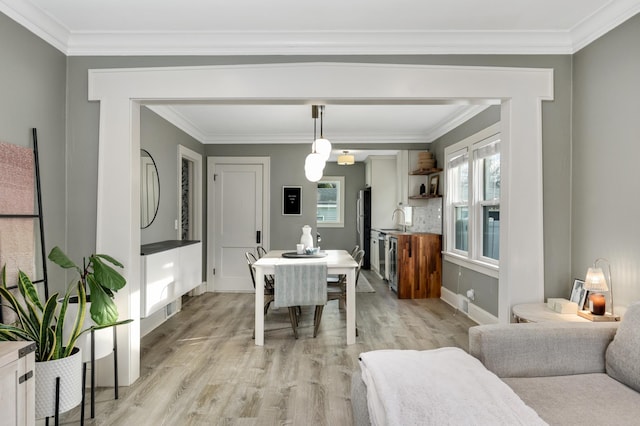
x,y
28,290
58,257
105,275
110,260
79,320
24,319
103,308
47,340
11,333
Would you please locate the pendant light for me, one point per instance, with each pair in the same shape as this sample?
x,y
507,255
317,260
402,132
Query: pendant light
x,y
322,145
315,162
346,159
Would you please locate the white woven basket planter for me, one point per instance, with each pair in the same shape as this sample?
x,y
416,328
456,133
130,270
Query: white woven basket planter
x,y
69,370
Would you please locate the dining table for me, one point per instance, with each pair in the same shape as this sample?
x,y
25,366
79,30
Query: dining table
x,y
339,262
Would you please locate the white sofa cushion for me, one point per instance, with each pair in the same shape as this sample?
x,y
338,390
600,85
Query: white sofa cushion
x,y
623,354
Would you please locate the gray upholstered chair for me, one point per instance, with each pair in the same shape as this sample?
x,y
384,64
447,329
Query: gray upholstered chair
x,y
303,284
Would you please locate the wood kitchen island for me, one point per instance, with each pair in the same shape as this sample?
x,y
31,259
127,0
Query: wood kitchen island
x,y
419,261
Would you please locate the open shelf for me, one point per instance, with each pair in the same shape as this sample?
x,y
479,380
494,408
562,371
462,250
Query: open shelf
x,y
424,172
423,197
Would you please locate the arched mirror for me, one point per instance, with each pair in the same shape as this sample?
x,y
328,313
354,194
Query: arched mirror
x,y
149,189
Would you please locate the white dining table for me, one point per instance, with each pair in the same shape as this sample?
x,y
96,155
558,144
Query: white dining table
x,y
339,262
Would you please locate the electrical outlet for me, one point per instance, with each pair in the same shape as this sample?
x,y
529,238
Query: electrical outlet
x,y
471,294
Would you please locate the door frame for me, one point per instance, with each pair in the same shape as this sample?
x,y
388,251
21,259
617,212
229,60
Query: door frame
x,y
211,206
196,159
121,91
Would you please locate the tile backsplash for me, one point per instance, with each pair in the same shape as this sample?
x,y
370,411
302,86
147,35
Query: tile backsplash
x,y
427,218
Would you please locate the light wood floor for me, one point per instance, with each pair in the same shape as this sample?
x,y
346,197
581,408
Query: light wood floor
x,y
202,368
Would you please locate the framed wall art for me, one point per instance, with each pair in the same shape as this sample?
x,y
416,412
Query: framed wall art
x,y
292,201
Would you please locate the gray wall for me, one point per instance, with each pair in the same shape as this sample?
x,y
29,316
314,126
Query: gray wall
x,y
32,94
83,125
287,168
606,149
40,65
456,278
161,139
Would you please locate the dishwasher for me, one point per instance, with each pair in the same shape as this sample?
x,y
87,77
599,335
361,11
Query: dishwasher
x,y
393,263
382,251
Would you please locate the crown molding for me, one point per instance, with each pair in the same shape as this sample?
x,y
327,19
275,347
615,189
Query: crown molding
x,y
602,21
38,22
317,43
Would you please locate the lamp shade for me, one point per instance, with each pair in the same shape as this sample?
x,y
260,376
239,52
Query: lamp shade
x,y
313,167
323,147
346,159
595,280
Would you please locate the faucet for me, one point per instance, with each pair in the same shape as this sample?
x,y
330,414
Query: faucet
x,y
399,210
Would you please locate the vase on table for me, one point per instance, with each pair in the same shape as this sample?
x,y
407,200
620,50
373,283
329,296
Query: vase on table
x,y
306,237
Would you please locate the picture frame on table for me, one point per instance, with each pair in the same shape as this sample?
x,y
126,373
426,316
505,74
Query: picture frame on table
x,y
433,185
292,201
578,293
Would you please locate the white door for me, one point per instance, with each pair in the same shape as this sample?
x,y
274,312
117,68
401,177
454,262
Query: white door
x,y
236,219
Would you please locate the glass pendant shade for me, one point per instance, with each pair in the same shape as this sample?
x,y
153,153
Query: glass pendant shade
x,y
313,167
323,147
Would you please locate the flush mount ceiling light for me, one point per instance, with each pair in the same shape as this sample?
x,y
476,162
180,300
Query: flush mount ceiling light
x,y
346,159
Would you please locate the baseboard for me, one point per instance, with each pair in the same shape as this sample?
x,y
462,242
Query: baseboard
x,y
464,305
481,316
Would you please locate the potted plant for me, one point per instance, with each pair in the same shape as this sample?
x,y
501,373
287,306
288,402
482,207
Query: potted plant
x,y
43,322
101,281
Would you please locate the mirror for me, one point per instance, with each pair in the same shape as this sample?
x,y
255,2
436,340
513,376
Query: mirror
x,y
149,189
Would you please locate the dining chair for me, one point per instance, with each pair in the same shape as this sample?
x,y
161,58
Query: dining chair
x,y
334,279
302,284
338,291
261,251
268,288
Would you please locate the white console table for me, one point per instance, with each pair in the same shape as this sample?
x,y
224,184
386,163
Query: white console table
x,y
169,269
539,312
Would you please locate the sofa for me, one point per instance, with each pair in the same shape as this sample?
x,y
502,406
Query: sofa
x,y
567,373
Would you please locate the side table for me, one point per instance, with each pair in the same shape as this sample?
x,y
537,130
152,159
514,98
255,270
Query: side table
x,y
539,312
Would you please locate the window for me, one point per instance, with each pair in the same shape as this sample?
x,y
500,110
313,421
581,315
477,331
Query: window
x,y
330,202
472,198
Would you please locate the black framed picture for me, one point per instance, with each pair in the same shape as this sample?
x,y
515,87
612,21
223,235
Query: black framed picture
x,y
292,200
578,293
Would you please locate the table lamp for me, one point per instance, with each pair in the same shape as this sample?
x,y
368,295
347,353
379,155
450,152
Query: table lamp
x,y
596,283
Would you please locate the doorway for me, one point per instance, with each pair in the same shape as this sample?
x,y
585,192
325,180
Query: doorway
x,y
238,218
121,93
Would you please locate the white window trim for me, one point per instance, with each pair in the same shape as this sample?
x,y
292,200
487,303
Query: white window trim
x,y
340,222
472,259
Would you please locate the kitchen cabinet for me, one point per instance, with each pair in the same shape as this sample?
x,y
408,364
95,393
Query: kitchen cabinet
x,y
375,253
17,383
419,265
381,176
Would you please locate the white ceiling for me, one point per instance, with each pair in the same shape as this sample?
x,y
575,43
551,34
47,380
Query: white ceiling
x,y
295,27
210,27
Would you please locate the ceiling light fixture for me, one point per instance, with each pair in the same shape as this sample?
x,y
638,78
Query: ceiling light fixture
x,y
315,162
323,146
346,159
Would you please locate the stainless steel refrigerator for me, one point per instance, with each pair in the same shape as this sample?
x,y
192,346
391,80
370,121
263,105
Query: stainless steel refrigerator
x,y
363,225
